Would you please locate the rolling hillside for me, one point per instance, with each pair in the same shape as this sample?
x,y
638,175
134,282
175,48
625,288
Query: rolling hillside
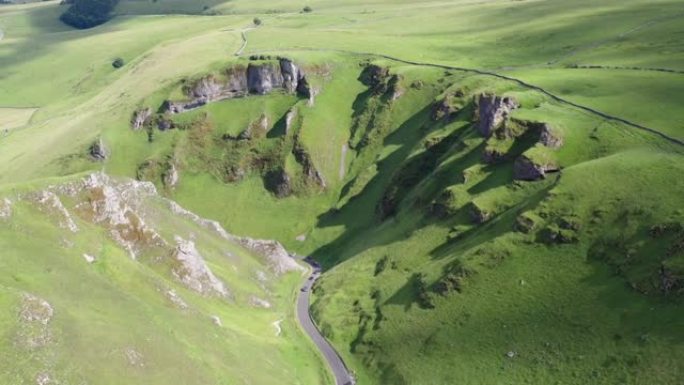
x,y
493,189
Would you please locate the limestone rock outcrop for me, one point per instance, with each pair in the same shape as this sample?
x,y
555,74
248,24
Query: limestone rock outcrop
x,y
259,78
171,176
478,214
550,137
263,77
140,118
279,260
492,112
98,151
441,110
257,129
278,182
304,159
5,208
289,120
192,270
527,169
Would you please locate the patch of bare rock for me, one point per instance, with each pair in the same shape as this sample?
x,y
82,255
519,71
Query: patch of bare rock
x,y
175,299
134,357
45,378
528,169
193,272
48,202
259,302
492,111
98,151
35,315
216,320
5,208
279,260
141,117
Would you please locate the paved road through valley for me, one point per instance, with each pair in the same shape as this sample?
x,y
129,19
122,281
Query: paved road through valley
x,y
339,369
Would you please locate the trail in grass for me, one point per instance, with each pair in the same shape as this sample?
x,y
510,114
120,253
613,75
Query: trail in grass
x,y
276,325
243,33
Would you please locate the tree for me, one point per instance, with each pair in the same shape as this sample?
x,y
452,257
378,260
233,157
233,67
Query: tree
x,y
257,21
307,9
118,63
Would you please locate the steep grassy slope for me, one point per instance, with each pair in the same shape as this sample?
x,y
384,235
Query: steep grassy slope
x,y
110,283
480,278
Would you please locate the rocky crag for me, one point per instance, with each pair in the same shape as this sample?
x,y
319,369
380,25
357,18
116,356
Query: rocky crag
x,y
257,78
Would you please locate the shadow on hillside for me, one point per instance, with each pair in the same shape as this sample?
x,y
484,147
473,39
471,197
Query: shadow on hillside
x,y
596,310
279,129
447,173
50,35
358,214
407,295
501,224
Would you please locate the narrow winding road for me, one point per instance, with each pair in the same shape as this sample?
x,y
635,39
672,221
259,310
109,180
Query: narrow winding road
x,y
339,369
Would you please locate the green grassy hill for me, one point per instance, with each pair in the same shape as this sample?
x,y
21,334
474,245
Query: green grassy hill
x,y
109,282
545,247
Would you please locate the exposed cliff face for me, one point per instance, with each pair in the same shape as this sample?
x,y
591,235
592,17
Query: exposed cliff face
x,y
493,111
98,151
263,78
278,182
525,168
550,136
291,75
259,78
